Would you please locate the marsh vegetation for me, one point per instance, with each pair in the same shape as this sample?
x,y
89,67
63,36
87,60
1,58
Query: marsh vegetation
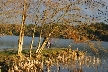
x,y
51,60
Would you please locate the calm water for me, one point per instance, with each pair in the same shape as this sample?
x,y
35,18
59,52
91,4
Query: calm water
x,y
12,42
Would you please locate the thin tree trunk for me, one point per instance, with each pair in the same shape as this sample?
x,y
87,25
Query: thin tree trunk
x,y
32,41
39,43
21,36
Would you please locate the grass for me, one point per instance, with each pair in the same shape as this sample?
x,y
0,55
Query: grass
x,y
12,54
4,54
52,50
26,52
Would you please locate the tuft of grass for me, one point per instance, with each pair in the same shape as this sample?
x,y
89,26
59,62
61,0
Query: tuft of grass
x,y
52,50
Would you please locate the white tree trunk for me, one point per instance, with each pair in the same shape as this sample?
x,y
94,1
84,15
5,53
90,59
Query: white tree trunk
x,y
46,40
39,43
21,36
32,41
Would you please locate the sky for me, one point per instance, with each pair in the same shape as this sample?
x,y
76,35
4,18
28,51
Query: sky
x,y
99,13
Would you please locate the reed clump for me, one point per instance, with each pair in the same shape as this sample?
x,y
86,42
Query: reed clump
x,y
47,59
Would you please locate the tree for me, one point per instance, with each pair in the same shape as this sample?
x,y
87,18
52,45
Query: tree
x,y
21,36
59,12
41,12
16,10
72,13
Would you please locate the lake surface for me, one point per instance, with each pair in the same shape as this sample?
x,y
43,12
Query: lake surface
x,y
12,42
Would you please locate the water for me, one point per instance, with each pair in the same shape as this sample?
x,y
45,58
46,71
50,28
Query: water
x,y
12,42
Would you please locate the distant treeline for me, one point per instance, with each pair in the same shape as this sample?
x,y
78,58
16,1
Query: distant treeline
x,y
97,31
